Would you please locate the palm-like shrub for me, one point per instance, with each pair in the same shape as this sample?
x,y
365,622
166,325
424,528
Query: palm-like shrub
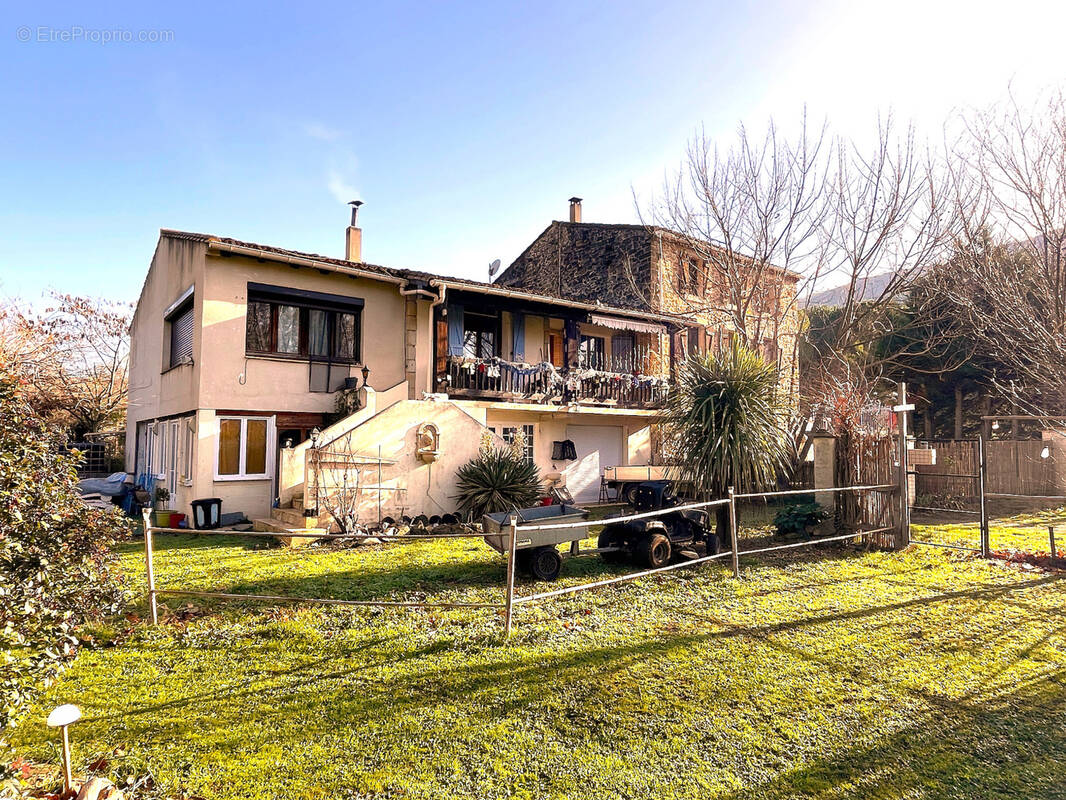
x,y
723,425
497,480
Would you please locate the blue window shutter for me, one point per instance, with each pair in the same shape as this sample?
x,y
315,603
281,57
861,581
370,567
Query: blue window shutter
x,y
456,330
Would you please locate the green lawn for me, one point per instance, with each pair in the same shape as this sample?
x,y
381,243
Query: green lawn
x,y
822,673
1024,531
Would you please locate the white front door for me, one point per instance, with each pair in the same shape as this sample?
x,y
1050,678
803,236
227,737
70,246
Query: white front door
x,y
597,446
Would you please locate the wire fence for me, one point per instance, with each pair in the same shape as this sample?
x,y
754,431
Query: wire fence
x,y
509,600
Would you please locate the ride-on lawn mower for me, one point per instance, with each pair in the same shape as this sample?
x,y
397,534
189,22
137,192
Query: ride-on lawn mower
x,y
654,541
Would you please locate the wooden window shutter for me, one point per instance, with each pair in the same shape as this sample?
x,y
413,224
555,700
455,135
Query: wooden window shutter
x,y
555,349
442,346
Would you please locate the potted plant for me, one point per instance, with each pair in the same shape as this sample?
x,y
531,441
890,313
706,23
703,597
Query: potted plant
x,y
161,496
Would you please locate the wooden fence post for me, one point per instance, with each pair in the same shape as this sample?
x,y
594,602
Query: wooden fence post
x,y
733,532
512,535
149,567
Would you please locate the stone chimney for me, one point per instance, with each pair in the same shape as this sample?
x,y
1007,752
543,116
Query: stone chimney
x,y
353,237
575,209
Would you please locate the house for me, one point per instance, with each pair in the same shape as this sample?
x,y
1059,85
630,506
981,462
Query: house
x,y
276,379
650,267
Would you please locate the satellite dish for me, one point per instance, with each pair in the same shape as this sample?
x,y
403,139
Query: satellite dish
x,y
494,267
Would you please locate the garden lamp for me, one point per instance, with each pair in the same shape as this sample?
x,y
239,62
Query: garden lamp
x,y
61,717
366,373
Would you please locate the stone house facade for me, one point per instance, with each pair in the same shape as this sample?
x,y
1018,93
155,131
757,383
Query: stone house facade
x,y
652,268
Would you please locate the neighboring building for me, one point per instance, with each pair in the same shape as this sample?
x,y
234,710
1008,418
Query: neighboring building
x,y
641,266
262,376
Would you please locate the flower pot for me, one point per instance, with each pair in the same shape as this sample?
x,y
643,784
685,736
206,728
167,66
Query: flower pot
x,y
162,518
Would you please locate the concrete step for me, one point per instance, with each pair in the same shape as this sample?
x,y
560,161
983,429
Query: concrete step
x,y
285,532
293,518
298,502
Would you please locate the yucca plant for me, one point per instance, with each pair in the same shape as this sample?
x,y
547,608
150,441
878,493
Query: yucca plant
x,y
497,480
723,425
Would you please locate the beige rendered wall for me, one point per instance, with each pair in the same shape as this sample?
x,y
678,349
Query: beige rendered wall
x,y
411,485
548,427
154,390
232,381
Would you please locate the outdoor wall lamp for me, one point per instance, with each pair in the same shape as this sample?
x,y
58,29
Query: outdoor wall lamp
x,y
1045,452
995,424
61,717
315,433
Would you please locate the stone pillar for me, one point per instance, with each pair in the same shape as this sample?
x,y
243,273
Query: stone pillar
x,y
824,446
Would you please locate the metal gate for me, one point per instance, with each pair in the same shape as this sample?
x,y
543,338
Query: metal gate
x,y
946,493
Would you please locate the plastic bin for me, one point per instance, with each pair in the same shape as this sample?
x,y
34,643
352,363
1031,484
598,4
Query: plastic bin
x,y
207,513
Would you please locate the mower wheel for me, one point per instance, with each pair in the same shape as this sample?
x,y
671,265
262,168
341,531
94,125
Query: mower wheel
x,y
522,560
714,547
545,563
654,550
609,538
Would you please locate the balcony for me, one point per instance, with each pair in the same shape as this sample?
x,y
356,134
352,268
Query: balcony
x,y
497,379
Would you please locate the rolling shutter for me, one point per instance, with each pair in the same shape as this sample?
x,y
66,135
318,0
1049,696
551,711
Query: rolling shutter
x,y
181,337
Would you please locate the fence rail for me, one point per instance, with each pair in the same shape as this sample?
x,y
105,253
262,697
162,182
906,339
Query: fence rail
x,y
509,600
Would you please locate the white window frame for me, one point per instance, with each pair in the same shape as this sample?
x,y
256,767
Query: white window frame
x,y
157,467
271,446
508,430
188,434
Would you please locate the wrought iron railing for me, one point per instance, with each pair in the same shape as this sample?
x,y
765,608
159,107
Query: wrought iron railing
x,y
542,383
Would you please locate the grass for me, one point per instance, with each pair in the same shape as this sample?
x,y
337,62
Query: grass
x,y
1021,531
821,673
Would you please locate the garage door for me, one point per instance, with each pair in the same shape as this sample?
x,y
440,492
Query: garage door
x,y
597,446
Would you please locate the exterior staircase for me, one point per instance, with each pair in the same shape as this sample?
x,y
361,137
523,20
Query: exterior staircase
x,y
284,522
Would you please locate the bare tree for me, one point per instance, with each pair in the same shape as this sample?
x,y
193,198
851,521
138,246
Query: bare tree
x,y
745,217
74,359
1009,280
891,216
766,222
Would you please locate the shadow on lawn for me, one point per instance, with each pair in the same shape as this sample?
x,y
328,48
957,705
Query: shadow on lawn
x,y
1006,745
382,580
1009,747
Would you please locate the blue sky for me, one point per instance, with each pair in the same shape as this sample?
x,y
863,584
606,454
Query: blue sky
x,y
463,126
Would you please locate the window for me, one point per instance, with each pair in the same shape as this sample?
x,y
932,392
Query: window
x,y
244,448
188,437
292,322
510,433
479,335
179,329
590,353
623,353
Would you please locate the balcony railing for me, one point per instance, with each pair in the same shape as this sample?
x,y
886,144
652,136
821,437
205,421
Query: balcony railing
x,y
543,383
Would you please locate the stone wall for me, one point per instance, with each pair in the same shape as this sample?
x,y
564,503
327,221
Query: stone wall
x,y
588,262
